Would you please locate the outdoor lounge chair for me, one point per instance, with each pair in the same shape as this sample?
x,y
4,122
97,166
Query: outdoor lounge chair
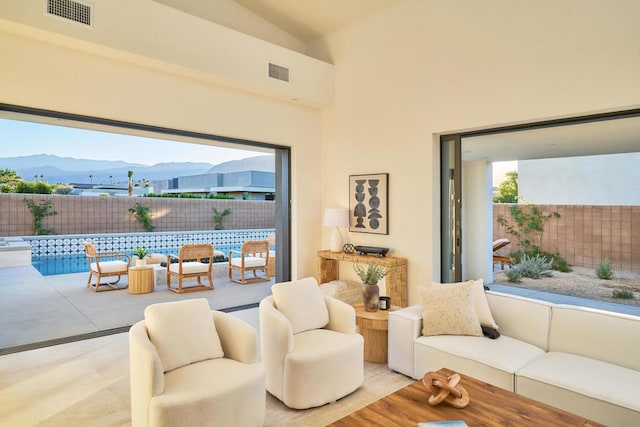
x,y
499,244
254,256
193,261
100,268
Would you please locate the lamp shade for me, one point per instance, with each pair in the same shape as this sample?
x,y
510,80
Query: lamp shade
x,y
336,218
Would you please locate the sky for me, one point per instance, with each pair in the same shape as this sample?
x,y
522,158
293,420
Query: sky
x,y
501,168
19,138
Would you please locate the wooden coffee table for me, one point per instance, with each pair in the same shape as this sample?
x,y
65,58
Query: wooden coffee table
x,y
488,406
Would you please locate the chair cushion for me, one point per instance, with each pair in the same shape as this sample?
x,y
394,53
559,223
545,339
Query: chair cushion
x,y
183,332
448,310
249,261
110,266
156,258
302,302
221,392
190,267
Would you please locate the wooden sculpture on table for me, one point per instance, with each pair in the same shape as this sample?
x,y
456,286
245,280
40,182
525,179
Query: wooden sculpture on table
x,y
445,389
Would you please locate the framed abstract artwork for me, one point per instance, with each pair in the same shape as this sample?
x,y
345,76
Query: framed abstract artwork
x,y
369,203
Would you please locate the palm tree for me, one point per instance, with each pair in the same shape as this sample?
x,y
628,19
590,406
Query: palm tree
x,y
91,178
130,175
111,179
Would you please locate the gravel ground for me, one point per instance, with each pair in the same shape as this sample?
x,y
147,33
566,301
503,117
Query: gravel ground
x,y
582,282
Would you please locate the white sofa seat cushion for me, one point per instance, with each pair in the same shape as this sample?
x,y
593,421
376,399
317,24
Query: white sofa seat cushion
x,y
110,267
189,267
218,384
576,383
320,368
492,361
249,261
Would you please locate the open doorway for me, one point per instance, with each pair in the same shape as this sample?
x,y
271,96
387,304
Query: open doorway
x,y
92,191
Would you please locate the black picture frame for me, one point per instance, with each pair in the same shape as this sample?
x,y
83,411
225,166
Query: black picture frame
x,y
369,203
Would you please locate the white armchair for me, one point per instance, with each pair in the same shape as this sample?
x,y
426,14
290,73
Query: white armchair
x,y
191,366
310,347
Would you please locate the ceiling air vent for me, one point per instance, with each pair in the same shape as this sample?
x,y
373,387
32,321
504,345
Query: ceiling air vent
x,y
278,72
70,9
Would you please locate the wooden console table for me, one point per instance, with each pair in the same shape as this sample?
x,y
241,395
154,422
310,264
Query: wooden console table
x,y
396,271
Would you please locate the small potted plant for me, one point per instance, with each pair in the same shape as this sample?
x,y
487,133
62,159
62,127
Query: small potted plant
x,y
140,255
370,289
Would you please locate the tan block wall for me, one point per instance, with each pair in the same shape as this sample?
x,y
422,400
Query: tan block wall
x,y
91,215
586,235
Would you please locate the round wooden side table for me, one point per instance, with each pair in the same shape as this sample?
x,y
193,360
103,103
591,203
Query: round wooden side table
x,y
374,327
141,280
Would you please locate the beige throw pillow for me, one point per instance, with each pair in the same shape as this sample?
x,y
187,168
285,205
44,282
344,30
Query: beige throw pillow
x,y
448,310
480,303
183,332
302,302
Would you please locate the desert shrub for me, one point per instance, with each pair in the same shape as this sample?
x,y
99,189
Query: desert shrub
x,y
604,271
513,275
558,263
534,267
622,294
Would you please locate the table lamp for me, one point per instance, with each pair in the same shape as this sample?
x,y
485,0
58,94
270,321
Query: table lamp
x,y
336,218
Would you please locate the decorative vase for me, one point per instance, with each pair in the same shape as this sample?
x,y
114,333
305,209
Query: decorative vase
x,y
370,296
141,262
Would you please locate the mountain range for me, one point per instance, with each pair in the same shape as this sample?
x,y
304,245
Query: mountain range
x,y
55,169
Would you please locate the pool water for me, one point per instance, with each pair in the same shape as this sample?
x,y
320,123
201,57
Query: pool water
x,y
50,265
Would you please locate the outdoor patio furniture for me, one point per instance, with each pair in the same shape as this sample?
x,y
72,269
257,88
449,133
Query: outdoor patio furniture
x,y
194,261
499,244
100,268
254,256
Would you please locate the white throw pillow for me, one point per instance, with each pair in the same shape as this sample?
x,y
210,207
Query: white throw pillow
x,y
480,302
302,302
447,309
183,332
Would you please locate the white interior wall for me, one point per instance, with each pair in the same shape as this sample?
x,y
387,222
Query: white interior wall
x,y
477,220
150,34
231,14
427,67
48,76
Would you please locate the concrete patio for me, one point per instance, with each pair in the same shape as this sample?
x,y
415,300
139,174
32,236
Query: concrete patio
x,y
43,310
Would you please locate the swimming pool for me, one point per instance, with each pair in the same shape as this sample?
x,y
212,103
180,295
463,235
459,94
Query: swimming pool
x,y
52,255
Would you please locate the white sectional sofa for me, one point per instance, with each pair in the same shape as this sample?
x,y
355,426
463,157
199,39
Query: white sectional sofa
x,y
578,359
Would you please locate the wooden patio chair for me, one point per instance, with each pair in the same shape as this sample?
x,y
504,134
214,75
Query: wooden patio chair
x,y
100,268
193,261
254,256
499,244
